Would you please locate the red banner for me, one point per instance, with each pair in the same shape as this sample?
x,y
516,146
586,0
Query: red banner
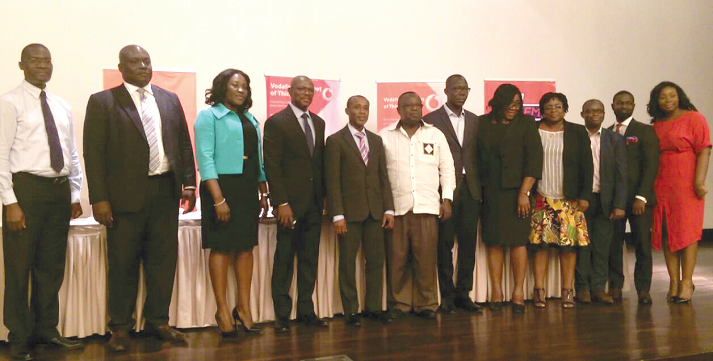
x,y
387,98
325,102
532,91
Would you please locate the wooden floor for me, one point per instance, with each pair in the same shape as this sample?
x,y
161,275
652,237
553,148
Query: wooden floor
x,y
589,332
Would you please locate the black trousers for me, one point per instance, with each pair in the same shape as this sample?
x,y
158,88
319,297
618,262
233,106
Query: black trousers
x,y
371,236
151,236
37,253
592,261
464,224
641,236
303,241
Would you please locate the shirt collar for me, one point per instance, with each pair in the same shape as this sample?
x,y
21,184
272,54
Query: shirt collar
x,y
354,130
131,88
397,125
452,113
298,112
220,110
599,132
33,90
627,121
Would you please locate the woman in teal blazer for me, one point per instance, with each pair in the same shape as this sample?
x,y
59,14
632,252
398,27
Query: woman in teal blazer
x,y
233,190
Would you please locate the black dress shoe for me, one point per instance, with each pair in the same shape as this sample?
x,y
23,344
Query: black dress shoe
x,y
252,330
166,333
311,320
645,298
352,320
468,305
427,314
495,306
518,308
281,325
61,342
119,341
396,314
447,308
20,351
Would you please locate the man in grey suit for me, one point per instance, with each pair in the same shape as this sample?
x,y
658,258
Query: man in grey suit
x,y
460,128
606,205
360,202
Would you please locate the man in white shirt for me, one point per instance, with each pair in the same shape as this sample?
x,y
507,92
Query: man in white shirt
x,y
418,161
40,181
606,205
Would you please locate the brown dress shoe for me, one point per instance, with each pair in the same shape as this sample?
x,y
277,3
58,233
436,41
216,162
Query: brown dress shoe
x,y
645,298
602,297
119,341
166,333
584,297
615,293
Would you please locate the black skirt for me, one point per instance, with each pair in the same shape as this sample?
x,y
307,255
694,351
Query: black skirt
x,y
241,194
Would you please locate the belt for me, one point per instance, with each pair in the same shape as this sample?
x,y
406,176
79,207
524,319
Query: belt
x,y
162,175
50,180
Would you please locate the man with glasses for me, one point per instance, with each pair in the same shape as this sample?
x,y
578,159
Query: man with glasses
x,y
40,181
606,205
418,162
460,128
293,148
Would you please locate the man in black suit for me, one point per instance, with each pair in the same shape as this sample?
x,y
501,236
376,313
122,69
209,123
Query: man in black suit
x,y
360,202
139,162
605,207
293,148
460,128
642,153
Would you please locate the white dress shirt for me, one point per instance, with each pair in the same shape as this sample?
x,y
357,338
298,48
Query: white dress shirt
x,y
417,166
298,113
624,125
23,139
458,122
165,165
358,143
595,140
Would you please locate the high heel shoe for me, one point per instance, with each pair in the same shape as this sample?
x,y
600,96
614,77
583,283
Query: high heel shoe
x,y
567,299
237,318
225,334
539,297
686,300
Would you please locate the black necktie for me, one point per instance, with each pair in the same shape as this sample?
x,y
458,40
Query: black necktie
x,y
56,157
308,133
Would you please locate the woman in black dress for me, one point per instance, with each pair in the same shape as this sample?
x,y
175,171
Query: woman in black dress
x,y
510,160
232,173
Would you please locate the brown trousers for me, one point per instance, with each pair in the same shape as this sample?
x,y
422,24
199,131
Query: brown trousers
x,y
412,263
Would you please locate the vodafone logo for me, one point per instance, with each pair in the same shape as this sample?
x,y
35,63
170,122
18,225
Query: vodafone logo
x,y
327,94
432,102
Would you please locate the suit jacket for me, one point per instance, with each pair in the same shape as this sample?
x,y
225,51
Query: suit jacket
x,y
612,171
354,189
293,175
116,153
520,151
463,156
642,153
577,163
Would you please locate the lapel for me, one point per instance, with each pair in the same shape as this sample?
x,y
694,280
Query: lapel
x,y
629,131
297,130
351,144
446,120
373,149
469,129
509,129
603,151
128,106
163,109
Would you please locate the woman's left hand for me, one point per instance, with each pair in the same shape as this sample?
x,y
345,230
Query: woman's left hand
x,y
582,205
523,205
701,191
264,207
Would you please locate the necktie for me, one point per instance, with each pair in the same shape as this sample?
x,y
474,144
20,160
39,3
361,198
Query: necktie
x,y
308,133
618,127
56,157
148,118
363,149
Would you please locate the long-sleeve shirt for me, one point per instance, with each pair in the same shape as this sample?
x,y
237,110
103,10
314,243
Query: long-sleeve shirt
x,y
23,139
417,166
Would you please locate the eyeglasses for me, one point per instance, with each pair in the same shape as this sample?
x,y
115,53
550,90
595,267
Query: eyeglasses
x,y
515,105
304,89
461,89
554,107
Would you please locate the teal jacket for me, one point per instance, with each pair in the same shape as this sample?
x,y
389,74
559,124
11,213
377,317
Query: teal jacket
x,y
219,142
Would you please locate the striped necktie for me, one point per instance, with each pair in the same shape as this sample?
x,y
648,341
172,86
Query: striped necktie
x,y
56,156
363,148
149,112
618,128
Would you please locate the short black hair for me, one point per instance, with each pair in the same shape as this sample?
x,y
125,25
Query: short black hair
x,y
216,94
552,95
453,77
356,96
408,93
24,54
653,107
622,92
501,100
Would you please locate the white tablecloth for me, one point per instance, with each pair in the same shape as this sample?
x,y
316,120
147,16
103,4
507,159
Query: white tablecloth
x,y
83,296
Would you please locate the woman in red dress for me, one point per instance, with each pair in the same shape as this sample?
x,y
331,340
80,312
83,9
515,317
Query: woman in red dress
x,y
685,145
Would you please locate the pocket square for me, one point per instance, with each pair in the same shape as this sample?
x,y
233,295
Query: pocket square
x,y
632,139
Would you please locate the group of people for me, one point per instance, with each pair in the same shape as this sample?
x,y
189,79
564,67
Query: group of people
x,y
405,195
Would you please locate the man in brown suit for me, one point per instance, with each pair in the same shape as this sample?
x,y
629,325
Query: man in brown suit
x,y
361,204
